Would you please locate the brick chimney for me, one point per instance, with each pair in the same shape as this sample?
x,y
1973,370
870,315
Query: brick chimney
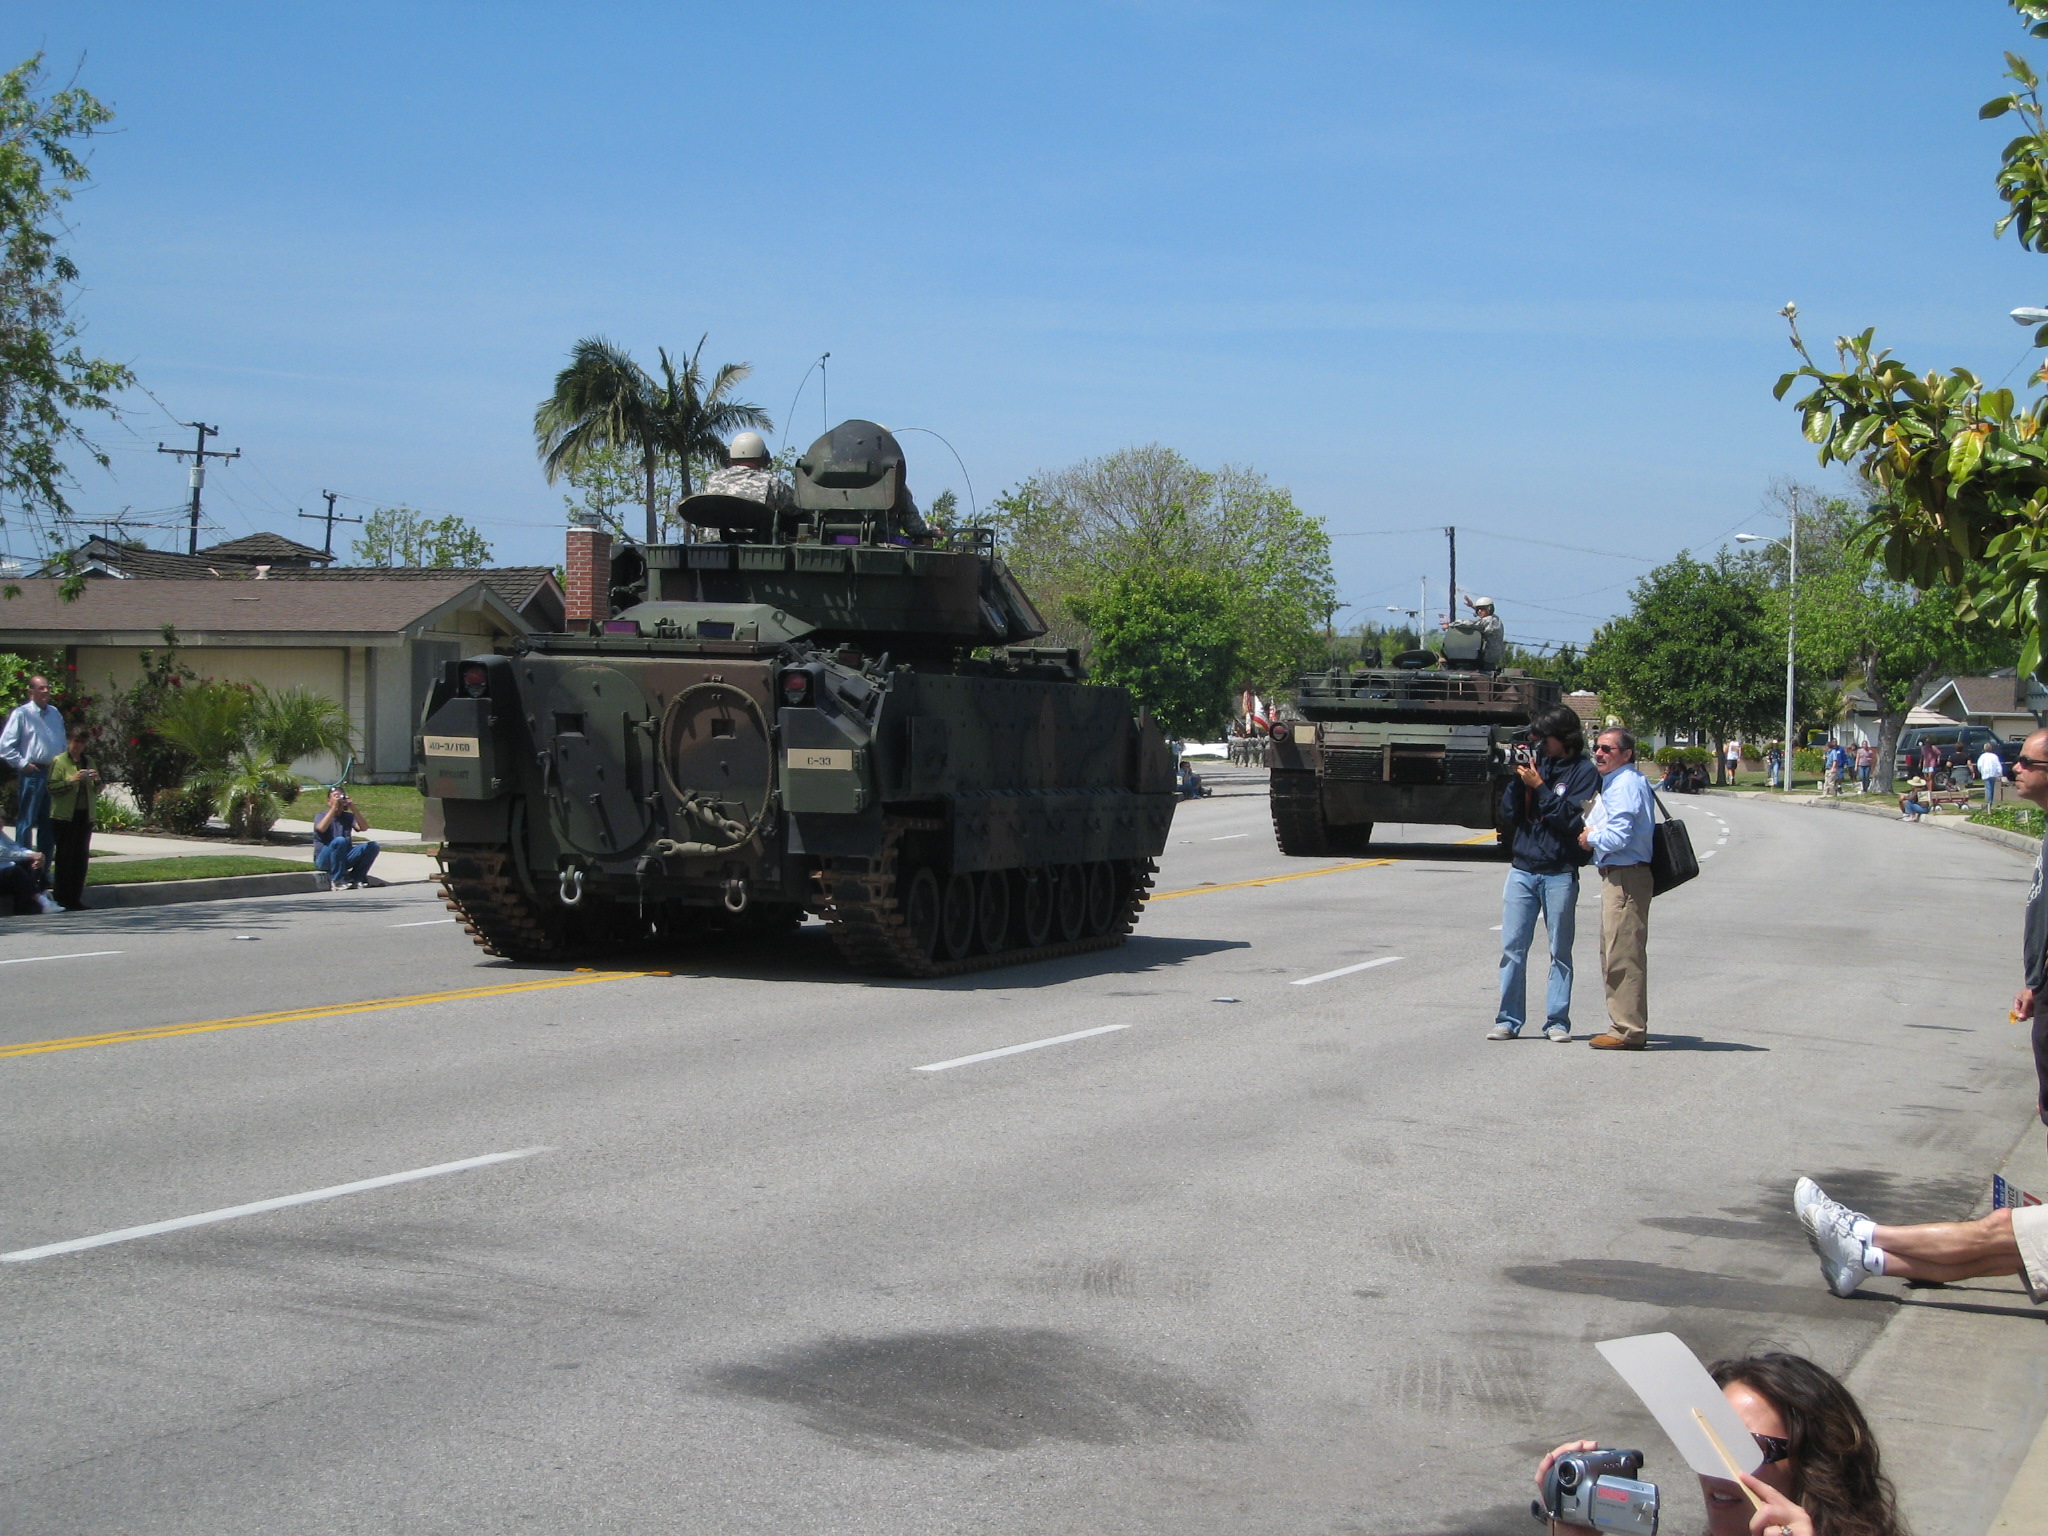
x,y
588,589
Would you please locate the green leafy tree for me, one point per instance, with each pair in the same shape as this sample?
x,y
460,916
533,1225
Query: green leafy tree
x,y
1172,638
1859,626
1069,533
606,480
603,400
1696,653
1961,470
46,380
403,536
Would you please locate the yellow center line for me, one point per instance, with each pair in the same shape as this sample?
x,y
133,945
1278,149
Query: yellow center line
x,y
1302,874
320,1011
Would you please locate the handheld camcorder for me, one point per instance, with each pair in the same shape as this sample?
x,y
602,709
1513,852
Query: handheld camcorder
x,y
1599,1488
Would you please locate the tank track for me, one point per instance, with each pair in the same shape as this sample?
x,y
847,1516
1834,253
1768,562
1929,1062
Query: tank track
x,y
479,886
1301,832
857,898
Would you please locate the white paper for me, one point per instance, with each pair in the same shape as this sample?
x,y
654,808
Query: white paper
x,y
1672,1383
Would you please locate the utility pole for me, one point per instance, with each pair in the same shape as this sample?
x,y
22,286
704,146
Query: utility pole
x,y
200,454
1452,535
330,517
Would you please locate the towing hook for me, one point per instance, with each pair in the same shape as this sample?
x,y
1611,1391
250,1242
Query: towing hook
x,y
572,886
736,894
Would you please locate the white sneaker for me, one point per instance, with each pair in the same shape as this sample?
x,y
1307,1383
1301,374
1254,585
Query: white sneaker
x,y
1557,1034
1502,1032
47,902
1831,1230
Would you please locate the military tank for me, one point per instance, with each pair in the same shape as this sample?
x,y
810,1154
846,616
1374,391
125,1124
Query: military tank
x,y
808,710
1428,739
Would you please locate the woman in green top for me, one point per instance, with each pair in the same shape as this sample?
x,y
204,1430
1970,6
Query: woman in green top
x,y
71,790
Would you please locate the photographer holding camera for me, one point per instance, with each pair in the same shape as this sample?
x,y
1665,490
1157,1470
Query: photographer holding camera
x,y
1821,1474
335,849
1545,808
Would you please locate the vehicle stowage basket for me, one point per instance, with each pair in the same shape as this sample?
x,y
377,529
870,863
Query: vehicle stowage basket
x,y
1672,861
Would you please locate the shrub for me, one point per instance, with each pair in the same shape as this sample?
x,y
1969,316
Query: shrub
x,y
176,809
2014,818
131,749
112,816
1807,760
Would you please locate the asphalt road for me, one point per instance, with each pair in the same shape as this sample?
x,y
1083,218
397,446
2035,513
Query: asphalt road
x,y
1273,1254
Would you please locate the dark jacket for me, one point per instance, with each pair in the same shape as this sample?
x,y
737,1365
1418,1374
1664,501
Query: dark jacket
x,y
1547,821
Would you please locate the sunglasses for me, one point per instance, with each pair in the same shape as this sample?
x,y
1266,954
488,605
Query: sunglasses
x,y
1603,747
2029,762
1774,1447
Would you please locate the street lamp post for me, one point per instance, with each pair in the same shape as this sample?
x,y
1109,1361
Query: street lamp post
x,y
1791,624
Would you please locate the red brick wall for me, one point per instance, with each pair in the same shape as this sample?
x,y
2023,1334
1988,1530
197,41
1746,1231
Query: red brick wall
x,y
589,572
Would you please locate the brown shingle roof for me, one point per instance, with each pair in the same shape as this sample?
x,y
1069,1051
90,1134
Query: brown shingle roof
x,y
514,583
264,549
1986,695
256,607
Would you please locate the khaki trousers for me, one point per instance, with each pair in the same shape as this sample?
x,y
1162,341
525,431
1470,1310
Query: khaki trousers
x,y
1625,947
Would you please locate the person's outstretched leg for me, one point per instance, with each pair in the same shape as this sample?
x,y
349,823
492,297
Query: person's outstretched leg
x,y
1853,1248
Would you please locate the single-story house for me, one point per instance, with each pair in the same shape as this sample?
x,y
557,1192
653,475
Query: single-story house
x,y
373,643
2000,701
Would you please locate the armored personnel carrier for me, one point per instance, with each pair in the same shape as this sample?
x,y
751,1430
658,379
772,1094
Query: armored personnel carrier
x,y
1426,740
805,712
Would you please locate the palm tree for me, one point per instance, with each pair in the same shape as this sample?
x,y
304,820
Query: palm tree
x,y
604,399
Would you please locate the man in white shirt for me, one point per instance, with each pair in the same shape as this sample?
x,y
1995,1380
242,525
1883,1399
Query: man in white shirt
x,y
1990,768
33,738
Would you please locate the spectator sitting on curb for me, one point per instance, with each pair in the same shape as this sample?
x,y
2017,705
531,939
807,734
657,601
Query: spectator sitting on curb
x,y
1911,806
23,872
335,850
2012,1240
1821,1476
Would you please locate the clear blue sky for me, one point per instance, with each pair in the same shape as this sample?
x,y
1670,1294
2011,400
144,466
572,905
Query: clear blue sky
x,y
1513,268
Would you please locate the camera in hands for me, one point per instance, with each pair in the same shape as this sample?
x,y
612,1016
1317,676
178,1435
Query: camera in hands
x,y
1599,1488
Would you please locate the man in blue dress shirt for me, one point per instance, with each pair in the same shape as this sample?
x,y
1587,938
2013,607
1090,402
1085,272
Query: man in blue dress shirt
x,y
1618,832
32,739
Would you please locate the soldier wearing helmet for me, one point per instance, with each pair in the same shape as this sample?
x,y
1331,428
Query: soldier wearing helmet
x,y
1492,637
748,476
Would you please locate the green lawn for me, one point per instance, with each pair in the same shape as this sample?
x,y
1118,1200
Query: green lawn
x,y
394,807
198,866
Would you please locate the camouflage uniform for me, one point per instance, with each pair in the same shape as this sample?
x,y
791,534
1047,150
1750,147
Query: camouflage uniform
x,y
750,484
1493,640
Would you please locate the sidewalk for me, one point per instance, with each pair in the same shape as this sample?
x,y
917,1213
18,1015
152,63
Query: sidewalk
x,y
394,865
1956,1388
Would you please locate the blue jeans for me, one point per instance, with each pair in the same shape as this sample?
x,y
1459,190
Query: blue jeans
x,y
1990,793
1557,897
344,861
32,816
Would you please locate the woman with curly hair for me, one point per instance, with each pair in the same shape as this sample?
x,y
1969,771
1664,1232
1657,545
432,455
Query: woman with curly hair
x,y
1821,1474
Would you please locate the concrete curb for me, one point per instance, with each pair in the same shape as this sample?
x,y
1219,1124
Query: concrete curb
x,y
2019,842
164,893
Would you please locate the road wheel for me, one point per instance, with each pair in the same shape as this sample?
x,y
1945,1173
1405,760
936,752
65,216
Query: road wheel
x,y
1035,909
956,918
992,911
1070,903
1102,899
921,910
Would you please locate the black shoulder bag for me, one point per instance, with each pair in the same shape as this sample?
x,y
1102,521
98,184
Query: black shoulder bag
x,y
1672,862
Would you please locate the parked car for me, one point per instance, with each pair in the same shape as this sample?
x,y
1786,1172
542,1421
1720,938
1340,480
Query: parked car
x,y
1958,743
